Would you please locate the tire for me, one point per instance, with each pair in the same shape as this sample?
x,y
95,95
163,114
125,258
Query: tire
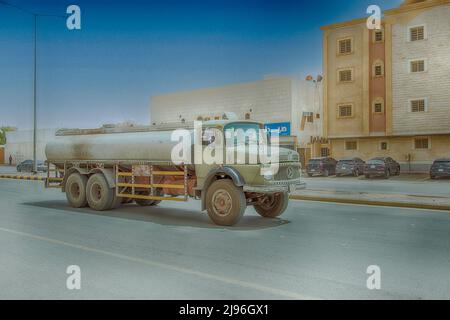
x,y
225,203
367,176
310,175
75,188
387,174
338,175
117,201
432,177
99,195
147,202
326,173
274,207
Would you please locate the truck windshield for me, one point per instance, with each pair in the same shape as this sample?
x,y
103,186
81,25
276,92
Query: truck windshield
x,y
250,132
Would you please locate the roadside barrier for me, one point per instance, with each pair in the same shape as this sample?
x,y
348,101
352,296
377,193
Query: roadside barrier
x,y
17,177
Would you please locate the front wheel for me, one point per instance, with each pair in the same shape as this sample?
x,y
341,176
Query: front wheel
x,y
273,205
225,203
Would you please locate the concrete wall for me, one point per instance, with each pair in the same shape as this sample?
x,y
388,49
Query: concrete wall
x,y
398,148
434,84
272,100
269,100
19,144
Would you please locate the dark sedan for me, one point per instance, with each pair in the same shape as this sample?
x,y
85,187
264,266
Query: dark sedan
x,y
321,166
352,166
440,168
381,167
27,166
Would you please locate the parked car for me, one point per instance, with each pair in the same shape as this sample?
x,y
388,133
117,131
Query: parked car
x,y
27,166
351,166
440,168
321,166
382,166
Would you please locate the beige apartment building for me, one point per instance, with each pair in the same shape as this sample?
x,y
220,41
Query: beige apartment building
x,y
295,105
387,91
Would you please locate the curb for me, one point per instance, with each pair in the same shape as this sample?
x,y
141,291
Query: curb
x,y
15,177
371,203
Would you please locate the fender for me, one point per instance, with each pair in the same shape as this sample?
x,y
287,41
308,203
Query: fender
x,y
238,180
109,176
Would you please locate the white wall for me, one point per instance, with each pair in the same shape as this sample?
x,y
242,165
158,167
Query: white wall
x,y
274,99
433,84
19,144
270,101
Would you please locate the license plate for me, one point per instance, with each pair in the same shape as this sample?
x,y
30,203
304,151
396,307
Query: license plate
x,y
373,167
313,169
441,170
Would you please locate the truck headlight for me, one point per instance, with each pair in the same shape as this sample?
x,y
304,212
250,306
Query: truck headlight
x,y
268,176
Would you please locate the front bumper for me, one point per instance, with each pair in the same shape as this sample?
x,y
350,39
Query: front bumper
x,y
277,186
375,173
346,171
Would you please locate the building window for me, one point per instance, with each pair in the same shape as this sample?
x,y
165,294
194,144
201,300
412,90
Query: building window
x,y
351,145
378,36
418,105
417,33
421,143
324,152
345,110
417,66
378,106
309,117
346,75
383,145
345,46
378,68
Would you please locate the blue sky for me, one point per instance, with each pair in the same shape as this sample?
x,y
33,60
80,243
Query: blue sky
x,y
130,50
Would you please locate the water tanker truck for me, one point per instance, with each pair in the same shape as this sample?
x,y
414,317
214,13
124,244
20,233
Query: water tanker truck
x,y
107,167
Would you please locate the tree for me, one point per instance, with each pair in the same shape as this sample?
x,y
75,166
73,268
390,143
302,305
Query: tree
x,y
3,131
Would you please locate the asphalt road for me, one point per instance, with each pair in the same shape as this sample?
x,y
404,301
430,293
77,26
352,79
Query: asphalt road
x,y
404,184
318,250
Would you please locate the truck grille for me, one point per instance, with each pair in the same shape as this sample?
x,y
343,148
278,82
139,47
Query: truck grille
x,y
288,171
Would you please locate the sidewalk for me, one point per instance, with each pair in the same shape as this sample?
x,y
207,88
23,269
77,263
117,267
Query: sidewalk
x,y
379,199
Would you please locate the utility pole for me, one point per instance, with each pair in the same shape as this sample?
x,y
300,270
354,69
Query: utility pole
x,y
35,18
34,96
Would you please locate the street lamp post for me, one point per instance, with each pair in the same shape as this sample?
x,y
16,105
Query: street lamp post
x,y
34,96
35,18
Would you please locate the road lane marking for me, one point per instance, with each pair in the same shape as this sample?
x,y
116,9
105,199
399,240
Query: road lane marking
x,y
244,284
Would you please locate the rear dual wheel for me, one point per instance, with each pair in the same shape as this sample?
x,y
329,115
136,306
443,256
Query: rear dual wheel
x,y
75,188
95,191
99,195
